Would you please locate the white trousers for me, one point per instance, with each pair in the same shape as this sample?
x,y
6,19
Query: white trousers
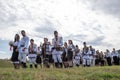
x,y
32,60
86,62
22,55
57,56
93,62
76,60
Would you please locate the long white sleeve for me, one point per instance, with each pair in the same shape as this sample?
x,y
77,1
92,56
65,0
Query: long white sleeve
x,y
26,42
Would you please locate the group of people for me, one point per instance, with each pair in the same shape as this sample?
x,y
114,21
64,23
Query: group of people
x,y
58,54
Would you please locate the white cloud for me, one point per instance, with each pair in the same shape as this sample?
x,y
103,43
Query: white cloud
x,y
70,17
111,7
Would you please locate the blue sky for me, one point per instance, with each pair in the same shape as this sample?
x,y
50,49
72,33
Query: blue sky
x,y
95,21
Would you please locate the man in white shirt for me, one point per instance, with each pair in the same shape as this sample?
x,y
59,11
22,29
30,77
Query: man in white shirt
x,y
108,57
115,56
86,55
57,43
32,53
23,49
92,55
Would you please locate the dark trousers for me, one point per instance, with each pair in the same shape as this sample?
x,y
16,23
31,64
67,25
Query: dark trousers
x,y
109,61
116,60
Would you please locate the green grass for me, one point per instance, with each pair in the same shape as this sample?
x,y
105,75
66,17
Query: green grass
x,y
5,64
81,73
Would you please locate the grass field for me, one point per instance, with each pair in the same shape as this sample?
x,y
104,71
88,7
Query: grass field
x,y
81,73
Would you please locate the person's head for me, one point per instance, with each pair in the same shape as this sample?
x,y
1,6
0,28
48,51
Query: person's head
x,y
55,33
32,41
90,47
38,48
17,37
84,43
23,33
113,49
101,52
107,50
97,51
45,40
77,46
65,44
70,42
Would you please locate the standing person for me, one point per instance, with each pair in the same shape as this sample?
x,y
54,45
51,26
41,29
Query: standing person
x,y
108,57
64,55
39,56
23,49
97,60
57,43
85,54
15,53
115,56
71,52
92,55
77,56
32,53
101,58
46,51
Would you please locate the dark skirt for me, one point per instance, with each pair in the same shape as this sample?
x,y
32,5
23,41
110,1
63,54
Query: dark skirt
x,y
64,58
70,55
38,59
15,54
50,59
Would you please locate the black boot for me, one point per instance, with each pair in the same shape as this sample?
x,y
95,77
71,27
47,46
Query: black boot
x,y
61,65
31,66
14,65
77,65
35,65
56,65
24,65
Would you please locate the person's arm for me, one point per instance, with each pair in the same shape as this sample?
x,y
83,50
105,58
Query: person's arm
x,y
35,50
19,44
61,42
26,43
53,42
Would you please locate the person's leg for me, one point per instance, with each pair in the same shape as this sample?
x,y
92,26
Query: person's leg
x,y
109,61
55,60
20,57
84,62
30,62
60,60
88,62
116,60
14,65
93,61
34,61
78,63
17,64
24,60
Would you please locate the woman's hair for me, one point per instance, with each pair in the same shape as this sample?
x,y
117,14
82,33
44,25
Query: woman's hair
x,y
17,37
70,41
